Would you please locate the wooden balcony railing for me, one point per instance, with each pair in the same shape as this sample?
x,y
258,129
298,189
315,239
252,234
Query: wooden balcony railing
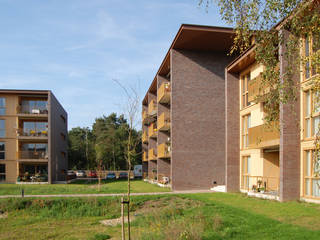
x,y
256,88
145,137
151,154
33,155
164,150
144,117
32,133
263,136
164,121
152,108
152,130
27,109
145,156
262,184
164,92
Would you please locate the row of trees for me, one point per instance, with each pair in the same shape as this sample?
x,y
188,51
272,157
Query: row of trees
x,y
105,142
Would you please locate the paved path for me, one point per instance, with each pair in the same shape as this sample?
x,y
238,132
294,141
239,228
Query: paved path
x,y
106,194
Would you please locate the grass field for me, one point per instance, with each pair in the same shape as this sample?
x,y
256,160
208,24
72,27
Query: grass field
x,y
171,217
80,187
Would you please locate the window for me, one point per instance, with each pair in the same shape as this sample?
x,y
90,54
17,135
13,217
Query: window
x,y
2,128
63,118
312,114
2,172
311,45
246,122
63,136
311,170
2,151
63,154
2,106
34,106
245,178
35,128
245,82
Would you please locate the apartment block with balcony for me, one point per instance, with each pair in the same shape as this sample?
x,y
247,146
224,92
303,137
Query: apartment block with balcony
x,y
33,137
186,136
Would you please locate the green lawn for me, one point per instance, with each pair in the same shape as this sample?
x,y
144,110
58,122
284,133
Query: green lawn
x,y
81,186
171,217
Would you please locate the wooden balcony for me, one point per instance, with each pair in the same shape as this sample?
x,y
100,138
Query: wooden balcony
x,y
164,150
145,137
144,156
164,92
263,136
152,130
164,121
152,155
144,117
256,88
152,108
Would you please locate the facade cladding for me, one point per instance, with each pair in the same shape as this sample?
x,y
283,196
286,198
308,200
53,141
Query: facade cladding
x,y
33,137
202,126
184,110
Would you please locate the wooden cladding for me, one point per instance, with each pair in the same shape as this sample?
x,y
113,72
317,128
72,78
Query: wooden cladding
x,y
164,121
152,108
144,156
151,154
152,130
164,150
164,93
145,137
144,116
256,88
263,136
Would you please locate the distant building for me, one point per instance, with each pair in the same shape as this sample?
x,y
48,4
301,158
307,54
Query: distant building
x,y
33,137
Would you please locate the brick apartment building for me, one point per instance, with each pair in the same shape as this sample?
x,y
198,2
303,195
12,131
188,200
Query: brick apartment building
x,y
183,112
33,137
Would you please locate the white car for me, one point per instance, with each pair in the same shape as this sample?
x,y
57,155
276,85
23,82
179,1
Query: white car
x,y
81,173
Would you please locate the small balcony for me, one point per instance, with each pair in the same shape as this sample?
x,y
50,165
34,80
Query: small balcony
x,y
32,134
164,150
145,156
144,117
164,122
33,155
256,88
152,108
164,93
145,137
152,130
32,111
152,155
261,185
263,136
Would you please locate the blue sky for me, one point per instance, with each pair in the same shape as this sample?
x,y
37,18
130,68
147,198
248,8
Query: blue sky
x,y
77,47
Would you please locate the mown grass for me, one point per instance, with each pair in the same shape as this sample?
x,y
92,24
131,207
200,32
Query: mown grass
x,y
167,217
80,187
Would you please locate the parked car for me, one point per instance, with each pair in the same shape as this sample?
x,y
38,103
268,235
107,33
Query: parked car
x,y
92,174
81,173
123,175
111,176
71,175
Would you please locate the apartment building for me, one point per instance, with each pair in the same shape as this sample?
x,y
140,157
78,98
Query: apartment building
x,y
262,160
183,111
33,137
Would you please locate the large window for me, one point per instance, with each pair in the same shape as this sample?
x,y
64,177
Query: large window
x,y
311,175
2,172
311,45
246,122
245,168
312,114
2,106
2,128
244,83
35,128
34,106
34,151
2,151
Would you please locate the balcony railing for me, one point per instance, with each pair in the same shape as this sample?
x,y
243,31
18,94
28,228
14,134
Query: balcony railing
x,y
263,136
32,155
144,117
145,137
164,122
152,108
25,109
152,131
144,156
32,133
151,154
164,93
262,184
164,150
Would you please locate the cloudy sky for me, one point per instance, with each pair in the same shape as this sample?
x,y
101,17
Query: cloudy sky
x,y
77,47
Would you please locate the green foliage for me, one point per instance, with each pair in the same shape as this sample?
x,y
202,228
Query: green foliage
x,y
106,141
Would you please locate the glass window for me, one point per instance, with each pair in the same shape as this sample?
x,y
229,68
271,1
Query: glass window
x,y
308,103
2,106
2,128
308,163
316,187
2,172
315,125
35,128
2,150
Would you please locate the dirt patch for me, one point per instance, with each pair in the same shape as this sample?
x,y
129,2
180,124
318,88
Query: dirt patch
x,y
115,221
3,214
